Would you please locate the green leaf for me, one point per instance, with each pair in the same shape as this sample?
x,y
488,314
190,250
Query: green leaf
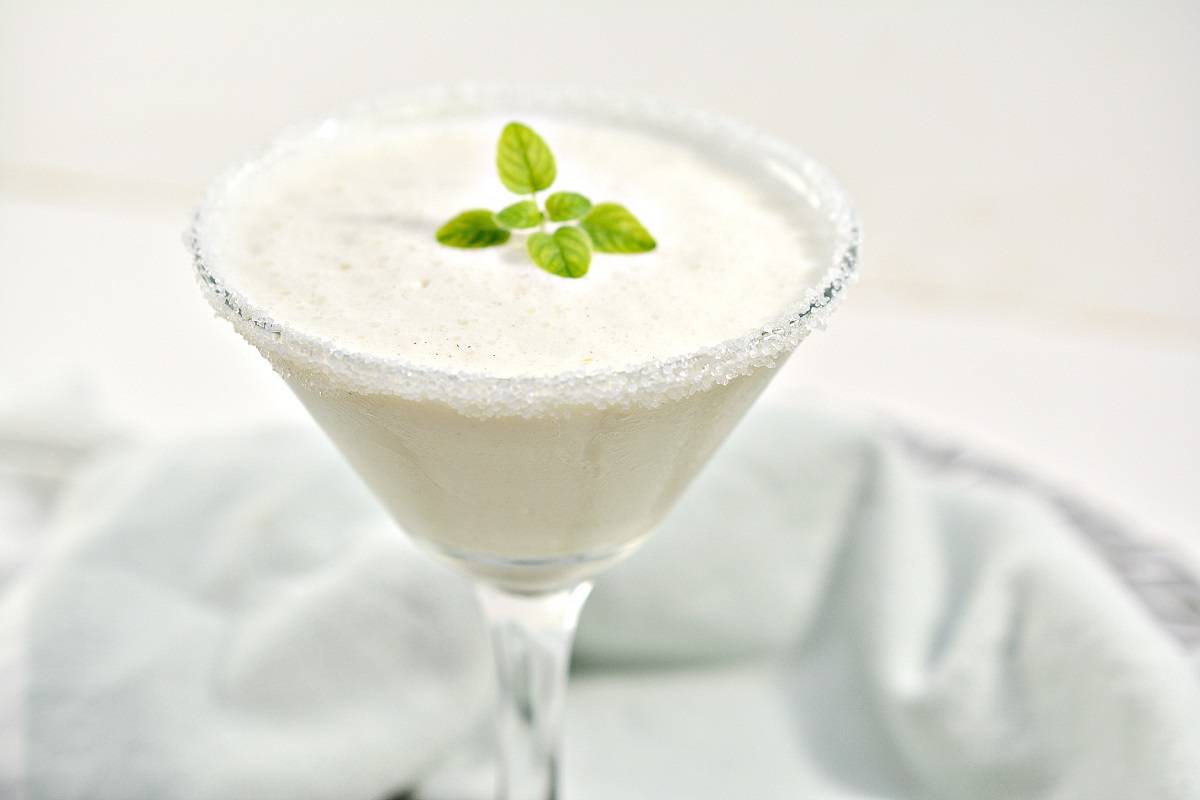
x,y
524,214
524,160
475,228
614,230
567,252
562,206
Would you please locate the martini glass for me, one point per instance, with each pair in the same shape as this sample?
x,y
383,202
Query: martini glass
x,y
533,484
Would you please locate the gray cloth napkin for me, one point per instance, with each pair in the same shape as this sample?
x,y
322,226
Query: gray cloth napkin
x,y
823,616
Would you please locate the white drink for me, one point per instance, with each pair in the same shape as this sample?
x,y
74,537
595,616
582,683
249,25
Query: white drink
x,y
530,424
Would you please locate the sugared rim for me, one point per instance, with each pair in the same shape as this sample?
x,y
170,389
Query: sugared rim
x,y
323,364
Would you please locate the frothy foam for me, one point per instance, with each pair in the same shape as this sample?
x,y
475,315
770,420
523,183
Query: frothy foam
x,y
339,241
323,255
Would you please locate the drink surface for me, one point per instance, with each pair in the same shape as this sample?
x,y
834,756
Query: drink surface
x,y
335,238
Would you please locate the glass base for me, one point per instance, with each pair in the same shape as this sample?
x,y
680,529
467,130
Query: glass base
x,y
536,575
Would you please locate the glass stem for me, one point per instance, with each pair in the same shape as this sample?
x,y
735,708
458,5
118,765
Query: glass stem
x,y
531,636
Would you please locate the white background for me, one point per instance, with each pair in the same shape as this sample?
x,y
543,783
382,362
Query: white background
x,y
1028,178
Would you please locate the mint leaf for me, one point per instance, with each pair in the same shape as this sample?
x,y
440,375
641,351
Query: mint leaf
x,y
562,206
523,160
526,166
524,214
475,228
567,252
614,230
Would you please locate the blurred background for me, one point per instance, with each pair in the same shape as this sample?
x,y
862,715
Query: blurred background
x,y
1028,177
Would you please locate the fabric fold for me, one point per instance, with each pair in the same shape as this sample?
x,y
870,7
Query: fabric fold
x,y
823,615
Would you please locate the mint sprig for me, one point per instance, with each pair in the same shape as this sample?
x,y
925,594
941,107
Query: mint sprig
x,y
526,166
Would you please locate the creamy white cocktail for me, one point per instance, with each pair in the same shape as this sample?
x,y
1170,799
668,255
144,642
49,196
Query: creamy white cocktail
x,y
529,386
332,237
596,400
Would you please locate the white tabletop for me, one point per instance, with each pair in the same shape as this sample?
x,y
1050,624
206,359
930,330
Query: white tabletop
x,y
1028,181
